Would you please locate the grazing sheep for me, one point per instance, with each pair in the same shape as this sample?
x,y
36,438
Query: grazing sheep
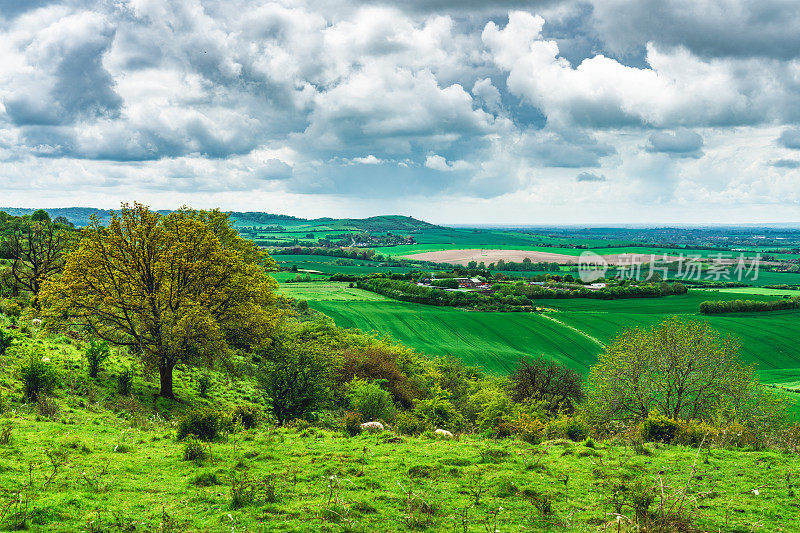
x,y
443,433
372,427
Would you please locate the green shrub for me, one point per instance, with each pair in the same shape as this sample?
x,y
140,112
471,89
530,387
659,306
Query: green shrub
x,y
527,428
370,400
96,353
203,385
407,423
658,428
10,308
246,490
6,338
125,382
46,407
494,419
38,377
206,479
5,433
352,424
692,432
249,416
204,424
572,428
438,412
194,449
741,436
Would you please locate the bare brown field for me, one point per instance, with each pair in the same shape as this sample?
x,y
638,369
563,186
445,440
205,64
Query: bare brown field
x,y
462,257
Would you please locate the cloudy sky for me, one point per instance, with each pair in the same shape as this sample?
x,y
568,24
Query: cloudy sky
x,y
530,112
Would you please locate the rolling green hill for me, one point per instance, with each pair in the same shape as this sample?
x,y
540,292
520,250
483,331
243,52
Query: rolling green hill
x,y
572,332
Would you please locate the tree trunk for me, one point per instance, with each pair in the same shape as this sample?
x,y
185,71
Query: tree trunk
x,y
165,373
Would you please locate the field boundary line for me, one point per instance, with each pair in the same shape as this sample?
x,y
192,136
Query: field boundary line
x,y
573,328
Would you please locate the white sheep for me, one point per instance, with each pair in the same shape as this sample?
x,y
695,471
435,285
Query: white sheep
x,y
372,427
443,433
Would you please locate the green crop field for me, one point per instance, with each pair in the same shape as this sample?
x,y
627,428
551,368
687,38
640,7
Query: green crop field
x,y
573,332
493,341
746,292
767,339
325,291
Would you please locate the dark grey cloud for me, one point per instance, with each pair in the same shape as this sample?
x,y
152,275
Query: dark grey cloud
x,y
566,149
790,138
72,83
681,143
589,176
786,163
273,169
709,28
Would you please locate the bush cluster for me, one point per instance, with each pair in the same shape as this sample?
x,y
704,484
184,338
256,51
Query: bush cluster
x,y
352,423
248,416
38,378
96,353
204,424
748,306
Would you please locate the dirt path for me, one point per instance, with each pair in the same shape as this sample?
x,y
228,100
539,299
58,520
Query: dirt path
x,y
573,328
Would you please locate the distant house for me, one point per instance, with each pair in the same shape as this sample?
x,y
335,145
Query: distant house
x,y
469,283
596,286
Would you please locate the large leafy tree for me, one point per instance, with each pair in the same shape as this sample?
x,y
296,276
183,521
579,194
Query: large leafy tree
x,y
682,369
546,381
37,248
181,288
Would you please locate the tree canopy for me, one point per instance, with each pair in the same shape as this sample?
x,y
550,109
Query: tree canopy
x,y
180,288
37,248
681,369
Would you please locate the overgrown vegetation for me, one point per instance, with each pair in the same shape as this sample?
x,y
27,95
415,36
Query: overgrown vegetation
x,y
748,306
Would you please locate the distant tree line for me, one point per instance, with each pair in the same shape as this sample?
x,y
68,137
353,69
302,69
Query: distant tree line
x,y
410,292
611,292
518,296
525,266
747,306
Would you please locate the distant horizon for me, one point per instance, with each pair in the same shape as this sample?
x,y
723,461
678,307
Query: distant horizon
x,y
479,225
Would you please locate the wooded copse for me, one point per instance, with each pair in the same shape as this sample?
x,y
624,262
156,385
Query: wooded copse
x,y
748,306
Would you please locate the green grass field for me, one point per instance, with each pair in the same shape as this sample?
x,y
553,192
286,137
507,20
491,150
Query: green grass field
x,y
327,291
493,341
758,291
571,333
767,339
